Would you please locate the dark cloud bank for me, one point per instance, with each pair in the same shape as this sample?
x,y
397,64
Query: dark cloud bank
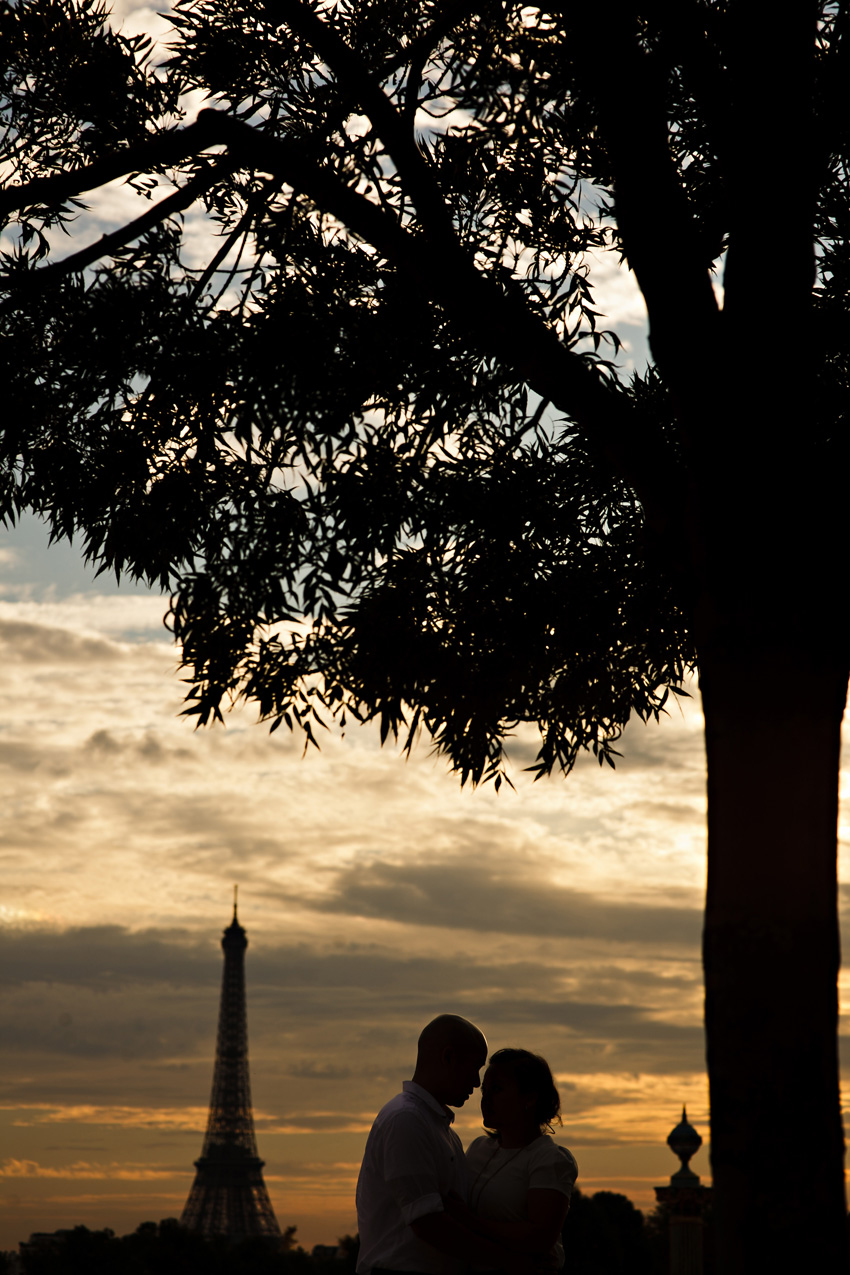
x,y
471,897
149,999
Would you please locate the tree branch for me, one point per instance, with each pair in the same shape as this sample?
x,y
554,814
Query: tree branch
x,y
416,53
660,237
448,16
497,320
163,149
683,24
501,321
393,130
107,244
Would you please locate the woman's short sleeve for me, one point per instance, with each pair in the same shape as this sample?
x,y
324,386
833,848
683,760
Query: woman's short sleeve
x,y
552,1168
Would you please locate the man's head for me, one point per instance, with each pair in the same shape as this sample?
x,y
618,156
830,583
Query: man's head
x,y
450,1056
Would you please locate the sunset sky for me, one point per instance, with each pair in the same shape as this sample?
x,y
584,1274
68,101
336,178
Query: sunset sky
x,y
563,917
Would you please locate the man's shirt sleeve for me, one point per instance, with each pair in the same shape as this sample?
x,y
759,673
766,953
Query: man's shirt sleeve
x,y
410,1168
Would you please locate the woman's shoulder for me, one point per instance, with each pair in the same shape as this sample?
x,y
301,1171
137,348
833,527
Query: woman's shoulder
x,y
480,1146
547,1151
546,1147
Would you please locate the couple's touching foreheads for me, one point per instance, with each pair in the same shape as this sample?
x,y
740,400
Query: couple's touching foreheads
x,y
426,1208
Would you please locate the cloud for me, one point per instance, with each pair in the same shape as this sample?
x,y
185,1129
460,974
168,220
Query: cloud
x,y
132,616
120,1117
98,993
134,19
108,961
318,1175
104,957
323,1122
475,897
148,750
99,1010
617,294
22,642
666,811
315,1069
81,1171
20,756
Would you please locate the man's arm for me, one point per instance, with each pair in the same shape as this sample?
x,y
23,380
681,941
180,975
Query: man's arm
x,y
447,1235
546,1208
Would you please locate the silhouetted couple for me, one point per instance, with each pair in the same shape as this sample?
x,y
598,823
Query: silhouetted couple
x,y
423,1208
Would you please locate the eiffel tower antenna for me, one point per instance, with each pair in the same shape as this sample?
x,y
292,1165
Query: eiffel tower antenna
x,y
229,1196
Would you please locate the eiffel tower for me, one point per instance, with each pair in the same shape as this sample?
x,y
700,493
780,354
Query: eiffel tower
x,y
229,1196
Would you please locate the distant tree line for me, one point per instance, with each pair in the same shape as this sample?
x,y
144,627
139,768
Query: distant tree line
x,y
604,1235
167,1248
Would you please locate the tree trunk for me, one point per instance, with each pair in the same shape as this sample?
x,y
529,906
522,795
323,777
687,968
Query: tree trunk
x,y
771,953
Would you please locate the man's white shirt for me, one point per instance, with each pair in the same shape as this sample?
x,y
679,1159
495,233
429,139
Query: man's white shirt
x,y
413,1158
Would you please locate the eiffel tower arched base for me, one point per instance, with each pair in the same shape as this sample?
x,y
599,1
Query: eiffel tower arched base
x,y
229,1197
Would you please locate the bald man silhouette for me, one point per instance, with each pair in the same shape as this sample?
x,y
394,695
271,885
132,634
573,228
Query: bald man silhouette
x,y
414,1159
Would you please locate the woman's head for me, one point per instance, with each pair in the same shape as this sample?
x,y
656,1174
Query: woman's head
x,y
518,1086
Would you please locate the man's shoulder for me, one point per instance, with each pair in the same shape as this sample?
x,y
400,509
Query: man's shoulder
x,y
402,1108
417,1101
398,1103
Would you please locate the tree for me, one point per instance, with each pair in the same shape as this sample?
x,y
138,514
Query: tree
x,y
377,449
604,1234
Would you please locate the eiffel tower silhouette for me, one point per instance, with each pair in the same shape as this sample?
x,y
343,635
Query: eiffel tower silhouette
x,y
229,1196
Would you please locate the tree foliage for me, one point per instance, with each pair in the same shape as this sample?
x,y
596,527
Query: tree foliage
x,y
365,497
604,1234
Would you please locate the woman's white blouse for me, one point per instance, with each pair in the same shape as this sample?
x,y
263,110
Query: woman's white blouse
x,y
501,1178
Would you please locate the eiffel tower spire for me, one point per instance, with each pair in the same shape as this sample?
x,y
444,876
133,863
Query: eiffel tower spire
x,y
229,1196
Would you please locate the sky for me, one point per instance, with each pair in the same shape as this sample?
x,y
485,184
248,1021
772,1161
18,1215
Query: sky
x,y
562,917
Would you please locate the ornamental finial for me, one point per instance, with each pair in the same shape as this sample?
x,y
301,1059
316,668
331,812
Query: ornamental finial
x,y
684,1141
